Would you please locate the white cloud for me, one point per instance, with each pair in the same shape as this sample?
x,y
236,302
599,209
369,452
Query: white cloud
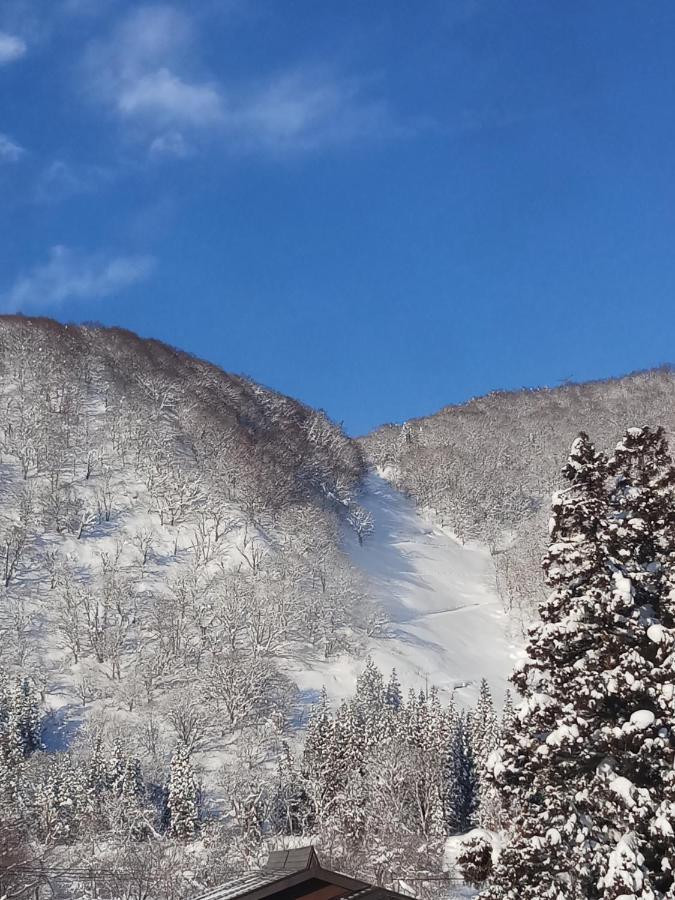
x,y
308,109
167,99
69,275
144,74
10,151
60,180
136,72
11,48
171,145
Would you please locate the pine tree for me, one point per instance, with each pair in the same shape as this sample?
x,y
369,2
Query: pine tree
x,y
483,726
508,714
483,734
62,800
183,795
24,711
462,787
96,783
291,807
535,774
11,766
633,791
392,692
132,795
97,772
369,693
424,731
322,770
589,760
115,766
370,712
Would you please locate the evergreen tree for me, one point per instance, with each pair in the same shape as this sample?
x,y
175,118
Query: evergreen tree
x,y
96,782
11,766
483,733
475,861
24,712
369,693
62,800
291,806
132,797
462,787
97,772
424,728
508,714
370,713
589,760
183,795
483,726
115,766
392,692
321,772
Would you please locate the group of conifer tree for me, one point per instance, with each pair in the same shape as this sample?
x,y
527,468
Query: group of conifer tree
x,y
55,798
389,777
587,769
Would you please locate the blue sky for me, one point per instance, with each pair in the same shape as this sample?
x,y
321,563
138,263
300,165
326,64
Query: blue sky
x,y
379,208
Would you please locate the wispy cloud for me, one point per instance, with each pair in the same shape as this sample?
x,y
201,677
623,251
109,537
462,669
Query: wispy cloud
x,y
10,151
60,180
85,8
144,74
170,145
137,72
11,48
167,99
306,109
69,275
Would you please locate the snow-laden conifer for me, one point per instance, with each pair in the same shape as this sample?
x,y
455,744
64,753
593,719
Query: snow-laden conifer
x,y
183,799
462,787
588,763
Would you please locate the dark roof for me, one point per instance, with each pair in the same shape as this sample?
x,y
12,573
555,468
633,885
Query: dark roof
x,y
292,860
372,892
245,884
286,868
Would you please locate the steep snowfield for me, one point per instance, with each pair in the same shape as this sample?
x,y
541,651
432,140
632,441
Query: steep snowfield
x,y
448,626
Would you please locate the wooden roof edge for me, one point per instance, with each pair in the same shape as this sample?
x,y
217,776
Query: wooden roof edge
x,y
345,881
291,878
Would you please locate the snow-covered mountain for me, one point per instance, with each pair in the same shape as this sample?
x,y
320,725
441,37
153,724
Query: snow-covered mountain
x,y
188,558
169,529
170,532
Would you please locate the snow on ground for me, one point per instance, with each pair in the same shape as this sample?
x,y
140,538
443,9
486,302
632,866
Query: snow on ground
x,y
448,626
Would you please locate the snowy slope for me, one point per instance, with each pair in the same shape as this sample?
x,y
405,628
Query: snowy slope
x,y
448,626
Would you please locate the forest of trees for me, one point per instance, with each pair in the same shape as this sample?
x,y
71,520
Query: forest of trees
x,y
377,784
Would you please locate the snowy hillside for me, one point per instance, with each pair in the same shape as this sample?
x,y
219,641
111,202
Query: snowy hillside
x,y
446,623
186,560
166,529
489,466
169,532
